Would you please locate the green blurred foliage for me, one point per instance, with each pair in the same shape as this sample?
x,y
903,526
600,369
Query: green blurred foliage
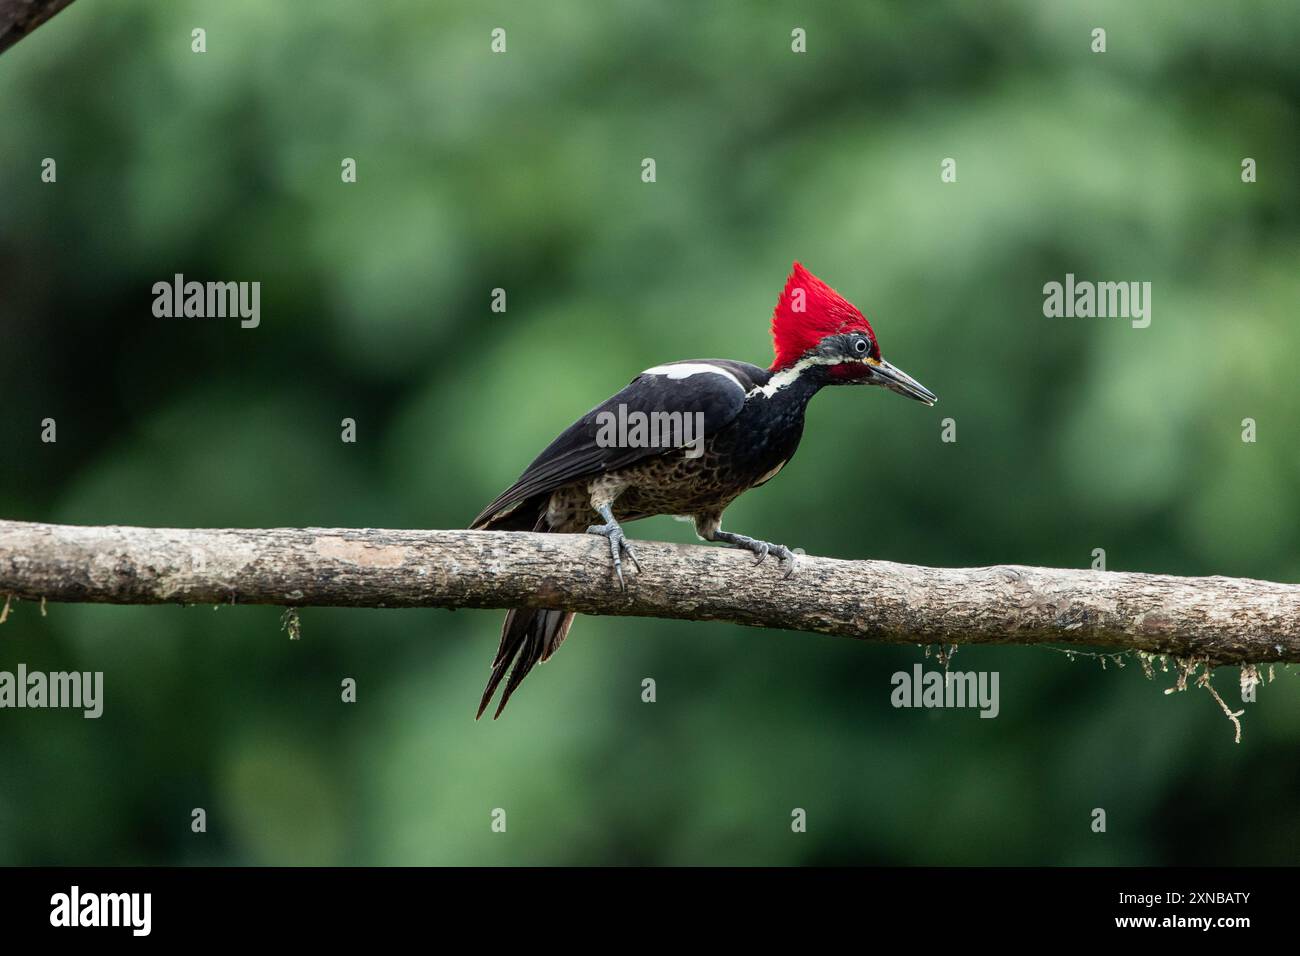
x,y
521,171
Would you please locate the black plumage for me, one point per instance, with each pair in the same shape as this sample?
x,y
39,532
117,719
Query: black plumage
x,y
749,434
749,423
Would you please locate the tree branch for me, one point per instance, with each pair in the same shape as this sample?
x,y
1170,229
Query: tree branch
x,y
20,17
1216,619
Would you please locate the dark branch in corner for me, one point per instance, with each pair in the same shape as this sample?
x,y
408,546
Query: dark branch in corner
x,y
20,17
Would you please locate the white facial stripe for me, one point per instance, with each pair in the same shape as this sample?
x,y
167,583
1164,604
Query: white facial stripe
x,y
687,369
788,376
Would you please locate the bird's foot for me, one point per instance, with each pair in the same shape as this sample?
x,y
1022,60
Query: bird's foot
x,y
761,550
618,546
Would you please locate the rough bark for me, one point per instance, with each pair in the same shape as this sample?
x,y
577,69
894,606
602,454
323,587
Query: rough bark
x,y
20,17
1217,619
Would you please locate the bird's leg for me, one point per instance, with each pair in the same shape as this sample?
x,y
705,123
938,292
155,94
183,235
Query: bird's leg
x,y
617,541
709,527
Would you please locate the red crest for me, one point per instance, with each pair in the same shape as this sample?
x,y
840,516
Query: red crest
x,y
807,312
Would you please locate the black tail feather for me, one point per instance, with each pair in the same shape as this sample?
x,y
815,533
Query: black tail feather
x,y
528,637
512,638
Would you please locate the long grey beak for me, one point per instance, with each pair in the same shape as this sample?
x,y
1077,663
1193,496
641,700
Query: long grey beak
x,y
896,380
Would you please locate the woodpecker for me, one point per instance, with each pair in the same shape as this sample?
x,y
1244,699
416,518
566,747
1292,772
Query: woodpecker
x,y
752,419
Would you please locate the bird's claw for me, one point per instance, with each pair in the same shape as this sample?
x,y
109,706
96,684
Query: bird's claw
x,y
786,558
762,549
618,544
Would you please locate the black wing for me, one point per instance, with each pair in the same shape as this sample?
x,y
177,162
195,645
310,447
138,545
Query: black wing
x,y
715,387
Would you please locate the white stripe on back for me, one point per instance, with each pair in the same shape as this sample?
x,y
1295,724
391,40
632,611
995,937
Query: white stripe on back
x,y
687,369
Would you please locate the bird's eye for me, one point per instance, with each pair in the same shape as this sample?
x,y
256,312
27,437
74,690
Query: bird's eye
x,y
860,346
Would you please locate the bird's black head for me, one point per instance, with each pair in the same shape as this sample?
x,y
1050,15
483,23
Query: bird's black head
x,y
853,358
